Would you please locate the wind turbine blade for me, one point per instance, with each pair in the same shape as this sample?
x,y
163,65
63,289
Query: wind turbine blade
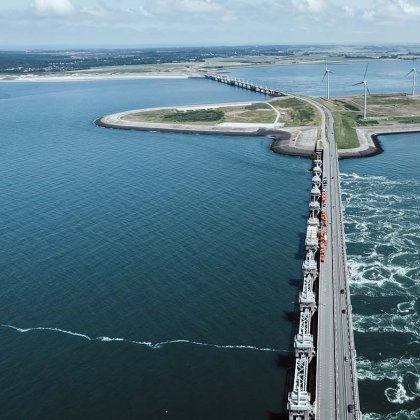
x,y
408,74
367,66
417,72
356,84
331,71
368,90
324,76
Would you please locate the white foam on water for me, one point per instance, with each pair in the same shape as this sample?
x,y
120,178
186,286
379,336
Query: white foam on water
x,y
399,415
387,323
154,346
396,369
398,395
349,177
406,307
382,233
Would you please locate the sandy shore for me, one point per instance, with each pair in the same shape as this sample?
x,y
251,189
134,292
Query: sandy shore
x,y
93,77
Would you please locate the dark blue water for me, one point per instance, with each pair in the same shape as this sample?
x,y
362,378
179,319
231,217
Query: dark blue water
x,y
382,202
143,275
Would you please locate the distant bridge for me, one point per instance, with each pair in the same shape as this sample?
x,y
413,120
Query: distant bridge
x,y
243,84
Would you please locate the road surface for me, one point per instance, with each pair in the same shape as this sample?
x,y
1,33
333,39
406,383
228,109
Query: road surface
x,y
336,388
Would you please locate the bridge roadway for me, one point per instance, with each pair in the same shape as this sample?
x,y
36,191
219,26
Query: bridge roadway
x,y
336,387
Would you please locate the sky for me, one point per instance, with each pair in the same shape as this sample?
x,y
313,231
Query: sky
x,y
143,23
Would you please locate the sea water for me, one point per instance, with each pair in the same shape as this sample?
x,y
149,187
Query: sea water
x,y
151,275
143,275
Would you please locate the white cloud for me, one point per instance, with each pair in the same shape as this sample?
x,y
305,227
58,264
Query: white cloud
x,y
198,6
186,6
408,9
348,11
144,12
54,7
309,5
368,14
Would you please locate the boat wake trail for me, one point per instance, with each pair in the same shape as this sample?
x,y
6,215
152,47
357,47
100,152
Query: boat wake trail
x,y
154,346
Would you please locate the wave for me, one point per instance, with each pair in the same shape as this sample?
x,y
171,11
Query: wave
x,y
350,177
387,323
404,371
392,368
400,415
154,346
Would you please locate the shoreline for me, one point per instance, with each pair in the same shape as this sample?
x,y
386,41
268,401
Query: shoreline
x,y
283,141
286,141
370,144
291,141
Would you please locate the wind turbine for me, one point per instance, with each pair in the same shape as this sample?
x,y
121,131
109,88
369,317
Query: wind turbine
x,y
327,74
413,71
366,90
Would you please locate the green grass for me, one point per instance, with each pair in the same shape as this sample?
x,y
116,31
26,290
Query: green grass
x,y
362,123
254,113
346,105
202,115
390,100
300,113
408,120
257,107
345,134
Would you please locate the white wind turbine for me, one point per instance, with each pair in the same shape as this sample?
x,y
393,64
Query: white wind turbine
x,y
327,74
414,72
366,90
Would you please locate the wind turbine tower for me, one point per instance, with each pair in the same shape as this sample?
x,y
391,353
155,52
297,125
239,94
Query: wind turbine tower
x,y
414,72
327,75
366,90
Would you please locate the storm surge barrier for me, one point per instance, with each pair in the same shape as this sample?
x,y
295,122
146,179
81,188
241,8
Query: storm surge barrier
x,y
300,405
221,78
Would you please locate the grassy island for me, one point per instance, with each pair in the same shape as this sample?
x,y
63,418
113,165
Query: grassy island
x,y
287,112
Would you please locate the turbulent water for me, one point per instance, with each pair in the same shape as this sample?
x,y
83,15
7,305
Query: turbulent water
x,y
382,202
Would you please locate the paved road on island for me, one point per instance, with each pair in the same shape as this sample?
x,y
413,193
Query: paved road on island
x,y
336,369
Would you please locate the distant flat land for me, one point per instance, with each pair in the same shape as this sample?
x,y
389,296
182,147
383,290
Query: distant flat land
x,y
183,61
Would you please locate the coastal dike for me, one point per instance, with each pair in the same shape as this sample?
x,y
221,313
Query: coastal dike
x,y
284,142
292,141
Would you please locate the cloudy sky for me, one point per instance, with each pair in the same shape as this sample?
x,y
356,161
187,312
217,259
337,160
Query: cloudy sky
x,y
89,23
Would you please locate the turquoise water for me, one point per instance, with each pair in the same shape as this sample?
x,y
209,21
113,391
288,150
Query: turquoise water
x,y
143,275
382,200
